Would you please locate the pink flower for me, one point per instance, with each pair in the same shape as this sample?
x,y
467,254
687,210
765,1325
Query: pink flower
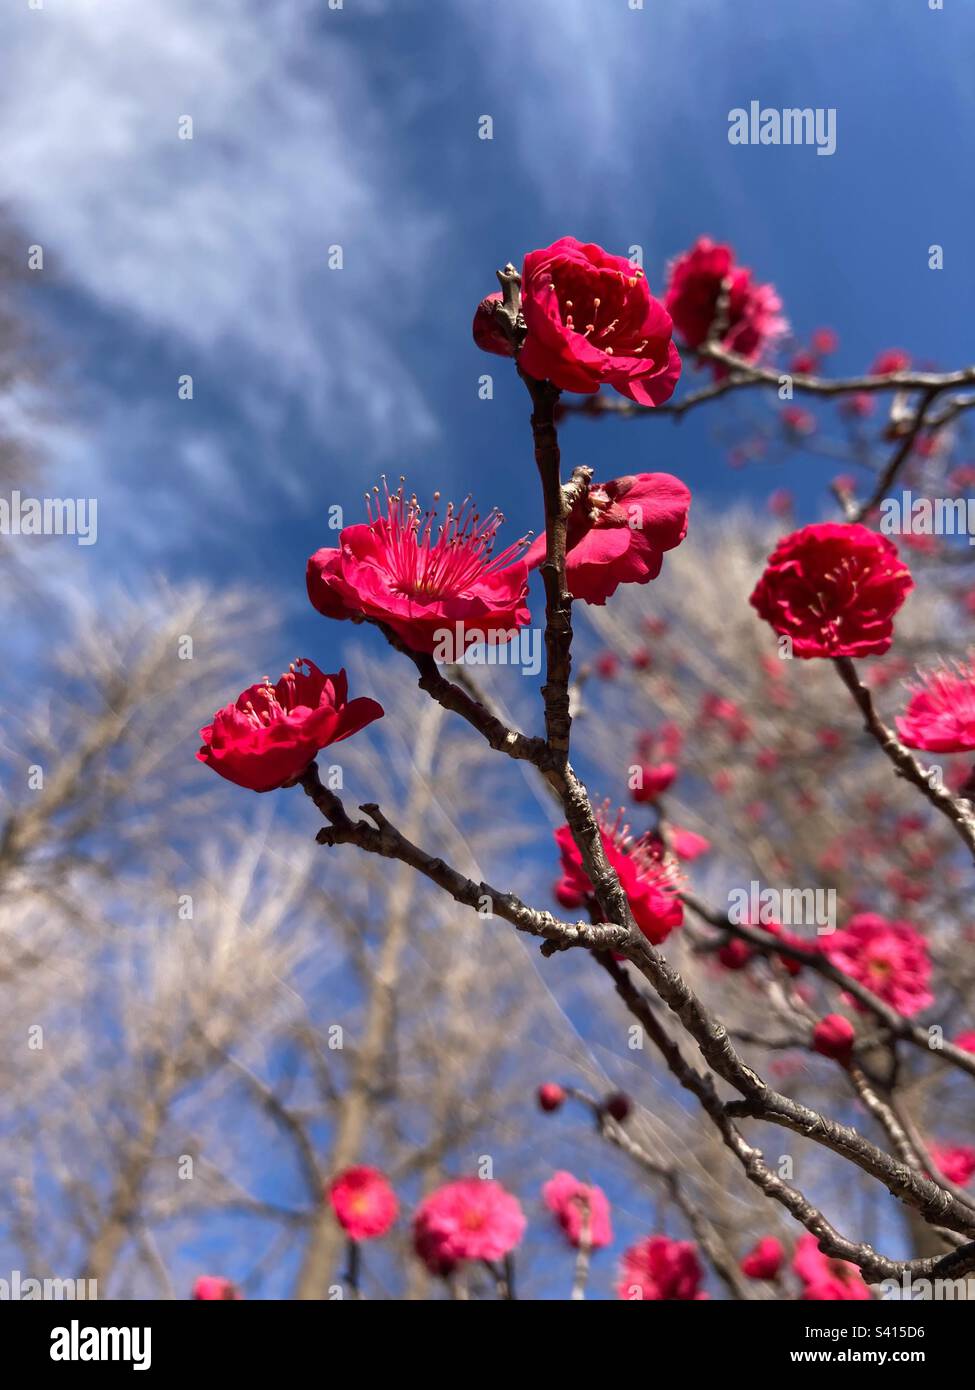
x,y
798,421
592,321
956,1163
833,1036
764,1260
617,533
735,954
212,1286
719,709
940,715
859,406
966,1041
780,502
471,1219
273,732
363,1201
825,341
669,739
660,1269
581,1211
788,963
488,333
890,958
891,360
648,879
825,1279
550,1095
833,589
695,280
686,844
440,588
652,781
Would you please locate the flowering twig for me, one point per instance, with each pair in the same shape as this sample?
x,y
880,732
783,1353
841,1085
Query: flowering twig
x,y
894,1022
906,765
459,701
744,375
710,1242
751,374
381,837
874,1266
760,1101
858,512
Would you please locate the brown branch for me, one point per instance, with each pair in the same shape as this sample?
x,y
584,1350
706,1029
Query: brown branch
x,y
558,602
745,375
750,374
874,1266
906,765
724,1263
382,838
895,1023
858,512
459,701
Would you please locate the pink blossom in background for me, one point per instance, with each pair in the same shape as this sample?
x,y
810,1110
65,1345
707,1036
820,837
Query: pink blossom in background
x,y
471,1219
834,1036
579,1209
694,286
647,877
364,1203
213,1286
550,1096
890,361
940,715
825,341
687,844
660,1269
764,1260
825,1279
652,781
890,958
956,1162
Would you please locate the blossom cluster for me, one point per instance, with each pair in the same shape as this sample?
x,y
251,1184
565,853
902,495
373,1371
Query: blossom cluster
x,y
829,591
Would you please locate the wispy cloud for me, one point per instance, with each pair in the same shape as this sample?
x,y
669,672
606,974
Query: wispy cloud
x,y
214,250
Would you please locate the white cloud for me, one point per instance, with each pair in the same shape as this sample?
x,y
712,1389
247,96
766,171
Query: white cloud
x,y
219,244
589,81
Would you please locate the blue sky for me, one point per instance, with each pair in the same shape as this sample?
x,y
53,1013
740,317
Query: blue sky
x,y
358,127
